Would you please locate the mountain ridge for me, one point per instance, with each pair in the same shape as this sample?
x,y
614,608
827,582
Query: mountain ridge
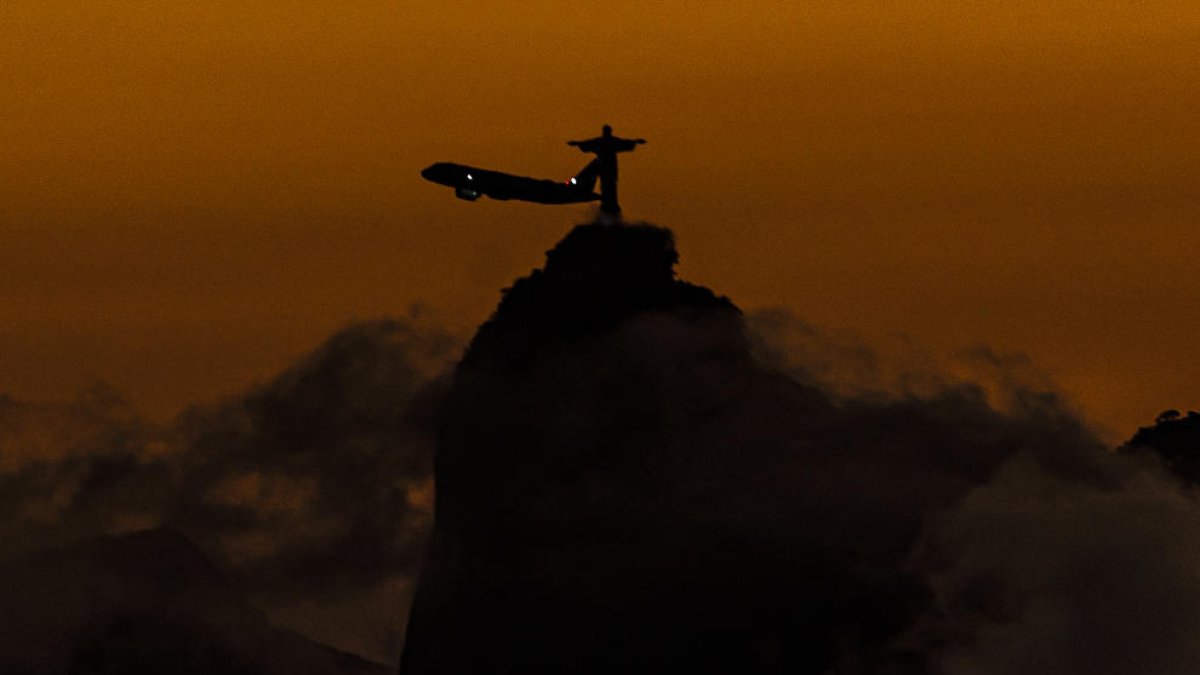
x,y
146,602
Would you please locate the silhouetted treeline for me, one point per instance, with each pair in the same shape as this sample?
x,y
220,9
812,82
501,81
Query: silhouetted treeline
x,y
1175,439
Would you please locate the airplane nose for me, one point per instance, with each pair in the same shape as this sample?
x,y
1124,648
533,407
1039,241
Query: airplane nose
x,y
427,172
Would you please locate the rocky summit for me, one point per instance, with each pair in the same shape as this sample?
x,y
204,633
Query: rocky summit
x,y
610,479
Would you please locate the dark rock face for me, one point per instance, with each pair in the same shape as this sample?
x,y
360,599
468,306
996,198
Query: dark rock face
x,y
596,278
622,487
611,486
147,603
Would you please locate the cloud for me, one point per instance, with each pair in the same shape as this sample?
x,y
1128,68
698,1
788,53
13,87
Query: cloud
x,y
308,489
78,468
315,478
1049,575
1048,551
1058,555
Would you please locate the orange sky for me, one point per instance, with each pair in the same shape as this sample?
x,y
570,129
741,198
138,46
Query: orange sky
x,y
193,193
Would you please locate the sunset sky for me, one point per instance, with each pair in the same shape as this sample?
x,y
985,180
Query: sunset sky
x,y
194,193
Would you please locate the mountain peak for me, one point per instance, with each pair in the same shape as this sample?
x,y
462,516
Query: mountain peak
x,y
594,279
594,458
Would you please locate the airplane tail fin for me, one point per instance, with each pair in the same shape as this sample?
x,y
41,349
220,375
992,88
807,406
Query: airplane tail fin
x,y
586,178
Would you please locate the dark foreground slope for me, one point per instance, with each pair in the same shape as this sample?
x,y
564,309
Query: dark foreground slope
x,y
144,604
622,488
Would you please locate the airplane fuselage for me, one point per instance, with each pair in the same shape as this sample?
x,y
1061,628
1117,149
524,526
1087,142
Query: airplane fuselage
x,y
470,183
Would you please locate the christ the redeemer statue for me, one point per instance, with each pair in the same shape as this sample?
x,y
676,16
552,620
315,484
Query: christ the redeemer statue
x,y
606,147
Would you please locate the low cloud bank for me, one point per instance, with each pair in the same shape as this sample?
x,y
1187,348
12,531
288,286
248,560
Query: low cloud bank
x,y
312,491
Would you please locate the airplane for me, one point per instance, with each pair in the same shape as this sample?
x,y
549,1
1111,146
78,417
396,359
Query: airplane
x,y
470,183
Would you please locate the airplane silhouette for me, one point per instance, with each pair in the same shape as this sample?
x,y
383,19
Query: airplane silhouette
x,y
471,182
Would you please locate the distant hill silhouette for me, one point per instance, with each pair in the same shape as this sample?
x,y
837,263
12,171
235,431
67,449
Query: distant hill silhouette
x,y
147,603
1175,439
